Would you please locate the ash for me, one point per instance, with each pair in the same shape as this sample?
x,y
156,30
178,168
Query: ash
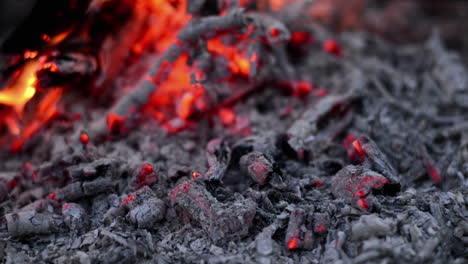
x,y
373,169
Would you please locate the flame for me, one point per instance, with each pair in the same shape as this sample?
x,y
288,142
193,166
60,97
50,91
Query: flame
x,y
22,89
46,110
167,16
238,63
176,96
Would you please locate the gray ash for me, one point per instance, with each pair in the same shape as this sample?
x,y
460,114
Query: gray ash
x,y
364,158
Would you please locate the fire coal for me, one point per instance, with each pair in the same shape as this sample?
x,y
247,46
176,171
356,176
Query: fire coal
x,y
232,132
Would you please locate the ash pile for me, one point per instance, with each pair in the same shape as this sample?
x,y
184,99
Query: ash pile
x,y
291,144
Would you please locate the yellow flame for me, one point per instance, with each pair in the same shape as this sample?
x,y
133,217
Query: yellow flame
x,y
19,91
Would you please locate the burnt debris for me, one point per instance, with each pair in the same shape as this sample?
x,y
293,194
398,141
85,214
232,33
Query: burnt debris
x,y
246,132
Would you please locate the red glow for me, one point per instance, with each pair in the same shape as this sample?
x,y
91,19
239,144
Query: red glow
x,y
84,138
321,92
45,37
12,184
303,88
129,198
274,32
46,109
195,175
145,176
184,188
51,67
317,183
185,106
320,229
65,206
167,20
434,174
332,47
293,243
363,204
115,123
146,169
52,196
238,63
176,96
300,38
30,54
358,148
298,89
227,116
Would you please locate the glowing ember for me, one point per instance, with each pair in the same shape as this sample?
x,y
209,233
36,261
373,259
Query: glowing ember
x,y
84,138
293,243
320,229
300,38
321,92
435,176
227,116
128,199
46,109
52,196
115,123
332,47
274,32
238,63
146,176
195,175
357,146
363,204
22,89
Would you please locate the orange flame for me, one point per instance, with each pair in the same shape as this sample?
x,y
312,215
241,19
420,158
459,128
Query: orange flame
x,y
167,16
45,111
238,64
176,96
21,90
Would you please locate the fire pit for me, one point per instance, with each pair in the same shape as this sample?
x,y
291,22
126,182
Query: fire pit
x,y
269,131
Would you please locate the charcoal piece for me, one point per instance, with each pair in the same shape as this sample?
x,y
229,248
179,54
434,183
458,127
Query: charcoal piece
x,y
355,184
371,226
99,185
379,162
222,222
3,190
321,222
270,144
147,214
87,171
297,235
71,192
218,156
257,166
77,190
75,217
145,208
68,67
305,128
206,28
264,243
33,223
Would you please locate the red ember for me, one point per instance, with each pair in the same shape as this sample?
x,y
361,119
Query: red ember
x,y
293,243
115,123
332,47
84,138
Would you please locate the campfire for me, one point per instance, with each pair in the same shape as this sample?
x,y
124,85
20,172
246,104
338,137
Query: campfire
x,y
233,131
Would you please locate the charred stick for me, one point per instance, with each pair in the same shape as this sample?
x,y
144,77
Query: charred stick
x,y
187,39
33,223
